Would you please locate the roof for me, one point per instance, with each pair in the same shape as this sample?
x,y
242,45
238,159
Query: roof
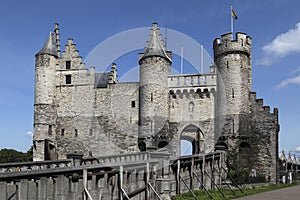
x,y
155,46
101,80
50,46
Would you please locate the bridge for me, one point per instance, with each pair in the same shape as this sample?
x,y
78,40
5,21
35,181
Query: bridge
x,y
143,175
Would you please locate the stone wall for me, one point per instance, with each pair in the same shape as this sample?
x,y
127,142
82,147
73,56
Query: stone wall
x,y
264,138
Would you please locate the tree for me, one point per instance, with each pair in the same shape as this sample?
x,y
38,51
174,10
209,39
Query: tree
x,y
236,171
11,155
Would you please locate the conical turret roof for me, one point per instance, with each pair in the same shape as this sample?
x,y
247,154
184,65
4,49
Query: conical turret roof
x,y
155,45
50,46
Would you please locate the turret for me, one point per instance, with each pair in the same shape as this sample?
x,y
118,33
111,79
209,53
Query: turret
x,y
113,77
44,106
155,67
233,61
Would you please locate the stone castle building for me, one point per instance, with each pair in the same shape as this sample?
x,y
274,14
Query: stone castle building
x,y
79,110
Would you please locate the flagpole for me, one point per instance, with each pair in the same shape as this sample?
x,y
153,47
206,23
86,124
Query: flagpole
x,y
181,60
231,18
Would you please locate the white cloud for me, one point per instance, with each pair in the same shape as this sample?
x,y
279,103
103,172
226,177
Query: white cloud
x,y
29,134
297,149
286,82
296,71
283,45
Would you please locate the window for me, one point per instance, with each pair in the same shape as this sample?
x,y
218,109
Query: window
x,y
68,64
50,130
62,132
191,107
133,104
76,132
151,97
68,79
91,132
232,93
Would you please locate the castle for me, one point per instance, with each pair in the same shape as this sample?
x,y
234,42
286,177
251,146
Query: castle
x,y
79,110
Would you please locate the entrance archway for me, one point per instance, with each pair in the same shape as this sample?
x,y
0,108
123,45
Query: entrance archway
x,y
192,136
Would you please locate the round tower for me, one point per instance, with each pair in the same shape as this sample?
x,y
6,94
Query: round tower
x,y
155,67
44,109
233,61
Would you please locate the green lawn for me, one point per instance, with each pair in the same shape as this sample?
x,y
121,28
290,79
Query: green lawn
x,y
229,195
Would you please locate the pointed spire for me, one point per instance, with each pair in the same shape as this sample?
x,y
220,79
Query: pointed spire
x,y
282,156
289,160
50,46
155,45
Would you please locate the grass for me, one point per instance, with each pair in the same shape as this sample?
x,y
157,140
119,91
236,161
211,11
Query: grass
x,y
229,195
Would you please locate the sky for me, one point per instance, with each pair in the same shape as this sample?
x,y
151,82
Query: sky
x,y
274,26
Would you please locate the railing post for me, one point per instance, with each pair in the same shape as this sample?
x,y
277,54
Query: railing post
x,y
203,169
23,189
121,182
192,183
213,169
84,183
147,181
3,189
178,176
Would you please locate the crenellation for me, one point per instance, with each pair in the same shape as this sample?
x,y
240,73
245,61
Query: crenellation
x,y
266,108
260,102
226,45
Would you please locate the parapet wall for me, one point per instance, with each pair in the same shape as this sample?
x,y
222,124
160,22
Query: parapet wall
x,y
241,44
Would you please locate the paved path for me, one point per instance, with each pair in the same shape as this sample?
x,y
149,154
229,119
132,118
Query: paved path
x,y
290,193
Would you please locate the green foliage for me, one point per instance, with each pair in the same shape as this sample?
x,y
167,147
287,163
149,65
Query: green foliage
x,y
236,171
11,155
228,194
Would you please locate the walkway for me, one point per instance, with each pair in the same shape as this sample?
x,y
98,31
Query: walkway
x,y
290,193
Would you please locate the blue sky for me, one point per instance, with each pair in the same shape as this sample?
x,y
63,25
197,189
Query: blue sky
x,y
272,24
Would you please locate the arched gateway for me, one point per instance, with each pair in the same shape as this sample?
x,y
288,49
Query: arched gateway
x,y
194,136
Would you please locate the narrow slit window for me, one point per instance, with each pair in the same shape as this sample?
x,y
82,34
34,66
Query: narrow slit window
x,y
76,133
62,132
133,104
50,130
68,64
91,132
232,92
151,98
68,79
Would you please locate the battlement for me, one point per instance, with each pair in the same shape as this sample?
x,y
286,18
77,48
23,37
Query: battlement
x,y
226,45
192,92
260,102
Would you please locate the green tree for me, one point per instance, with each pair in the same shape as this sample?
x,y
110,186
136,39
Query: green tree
x,y
236,171
11,155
